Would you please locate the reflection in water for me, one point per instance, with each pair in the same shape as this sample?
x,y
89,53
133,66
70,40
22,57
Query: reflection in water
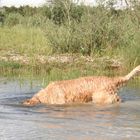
x,y
66,122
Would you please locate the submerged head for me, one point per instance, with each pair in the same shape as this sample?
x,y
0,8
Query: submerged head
x,y
31,102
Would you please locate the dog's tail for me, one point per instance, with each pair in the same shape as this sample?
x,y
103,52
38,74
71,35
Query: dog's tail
x,y
134,72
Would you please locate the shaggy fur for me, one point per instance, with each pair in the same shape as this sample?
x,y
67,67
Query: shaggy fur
x,y
100,90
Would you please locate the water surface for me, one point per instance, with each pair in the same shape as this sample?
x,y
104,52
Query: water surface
x,y
66,122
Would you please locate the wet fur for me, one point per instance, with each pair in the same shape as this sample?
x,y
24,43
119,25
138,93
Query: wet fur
x,y
80,90
100,90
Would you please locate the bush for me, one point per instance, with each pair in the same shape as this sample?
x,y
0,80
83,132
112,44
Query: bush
x,y
13,19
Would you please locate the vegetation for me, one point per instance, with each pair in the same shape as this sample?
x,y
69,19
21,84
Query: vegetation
x,y
64,27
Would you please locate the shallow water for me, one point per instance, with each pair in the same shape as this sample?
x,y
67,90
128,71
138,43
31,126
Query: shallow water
x,y
66,122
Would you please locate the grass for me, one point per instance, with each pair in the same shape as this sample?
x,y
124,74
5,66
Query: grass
x,y
33,42
54,74
45,75
23,40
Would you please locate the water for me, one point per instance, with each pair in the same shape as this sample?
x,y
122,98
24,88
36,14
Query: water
x,y
66,122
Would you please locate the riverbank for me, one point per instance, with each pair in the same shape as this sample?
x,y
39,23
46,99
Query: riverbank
x,y
11,61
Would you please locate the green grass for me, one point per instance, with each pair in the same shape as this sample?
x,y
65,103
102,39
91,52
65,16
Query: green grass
x,y
54,73
12,65
24,40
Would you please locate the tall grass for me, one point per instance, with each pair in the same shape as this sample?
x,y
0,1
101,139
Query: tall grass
x,y
24,40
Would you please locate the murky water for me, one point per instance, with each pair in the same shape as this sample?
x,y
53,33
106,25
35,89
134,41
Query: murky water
x,y
66,122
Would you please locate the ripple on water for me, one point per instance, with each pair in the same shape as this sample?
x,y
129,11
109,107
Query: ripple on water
x,y
71,122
